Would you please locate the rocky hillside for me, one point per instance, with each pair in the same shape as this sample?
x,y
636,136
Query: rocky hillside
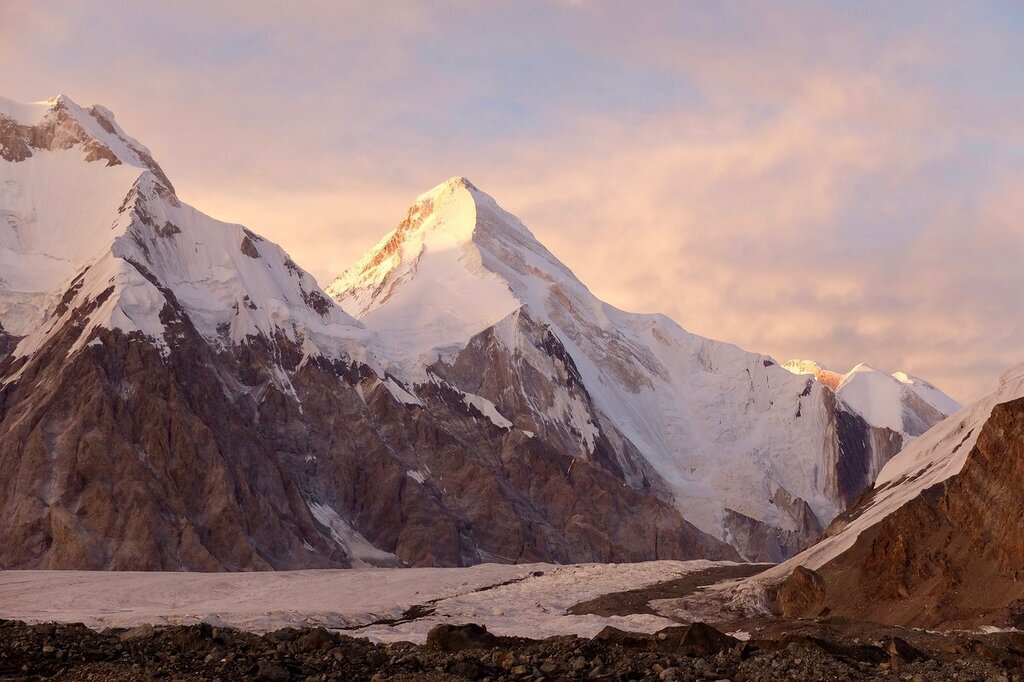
x,y
937,541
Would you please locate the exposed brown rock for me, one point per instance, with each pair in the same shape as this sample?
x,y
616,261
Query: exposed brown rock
x,y
460,637
801,594
696,639
953,556
248,248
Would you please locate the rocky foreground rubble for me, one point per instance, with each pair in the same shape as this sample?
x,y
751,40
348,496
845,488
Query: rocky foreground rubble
x,y
689,652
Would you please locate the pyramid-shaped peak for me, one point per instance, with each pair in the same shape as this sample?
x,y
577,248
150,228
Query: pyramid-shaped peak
x,y
457,224
457,208
459,181
59,100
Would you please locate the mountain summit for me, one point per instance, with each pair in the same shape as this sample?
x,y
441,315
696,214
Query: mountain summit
x,y
457,264
89,216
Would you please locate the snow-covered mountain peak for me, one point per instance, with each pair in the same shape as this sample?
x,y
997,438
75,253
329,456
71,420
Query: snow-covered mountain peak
x,y
59,123
898,401
88,221
447,189
461,283
457,264
822,374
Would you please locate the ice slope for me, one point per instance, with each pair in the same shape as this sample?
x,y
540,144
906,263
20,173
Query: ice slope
x,y
57,214
68,224
26,114
722,426
928,392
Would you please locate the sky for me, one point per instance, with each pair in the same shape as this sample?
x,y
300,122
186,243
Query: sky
x,y
835,181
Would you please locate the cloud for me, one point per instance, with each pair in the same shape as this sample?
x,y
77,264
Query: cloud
x,y
826,180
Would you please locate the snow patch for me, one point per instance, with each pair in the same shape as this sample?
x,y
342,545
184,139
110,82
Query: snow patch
x,y
399,392
487,408
929,393
874,395
362,553
25,114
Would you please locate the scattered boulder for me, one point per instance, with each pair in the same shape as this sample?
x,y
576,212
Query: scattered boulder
x,y
797,644
75,652
190,638
134,634
1015,614
317,639
901,651
286,634
801,594
453,638
697,639
467,669
624,638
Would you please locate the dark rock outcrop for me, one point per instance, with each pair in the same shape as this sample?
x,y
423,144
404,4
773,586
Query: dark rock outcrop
x,y
802,594
454,638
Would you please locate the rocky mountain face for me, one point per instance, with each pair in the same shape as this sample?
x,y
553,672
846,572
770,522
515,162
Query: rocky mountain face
x,y
937,541
177,393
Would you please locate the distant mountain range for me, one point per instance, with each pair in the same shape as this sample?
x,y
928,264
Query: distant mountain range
x,y
178,393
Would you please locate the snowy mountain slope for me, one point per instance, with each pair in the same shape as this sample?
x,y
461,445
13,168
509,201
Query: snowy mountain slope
x,y
748,451
176,393
97,251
